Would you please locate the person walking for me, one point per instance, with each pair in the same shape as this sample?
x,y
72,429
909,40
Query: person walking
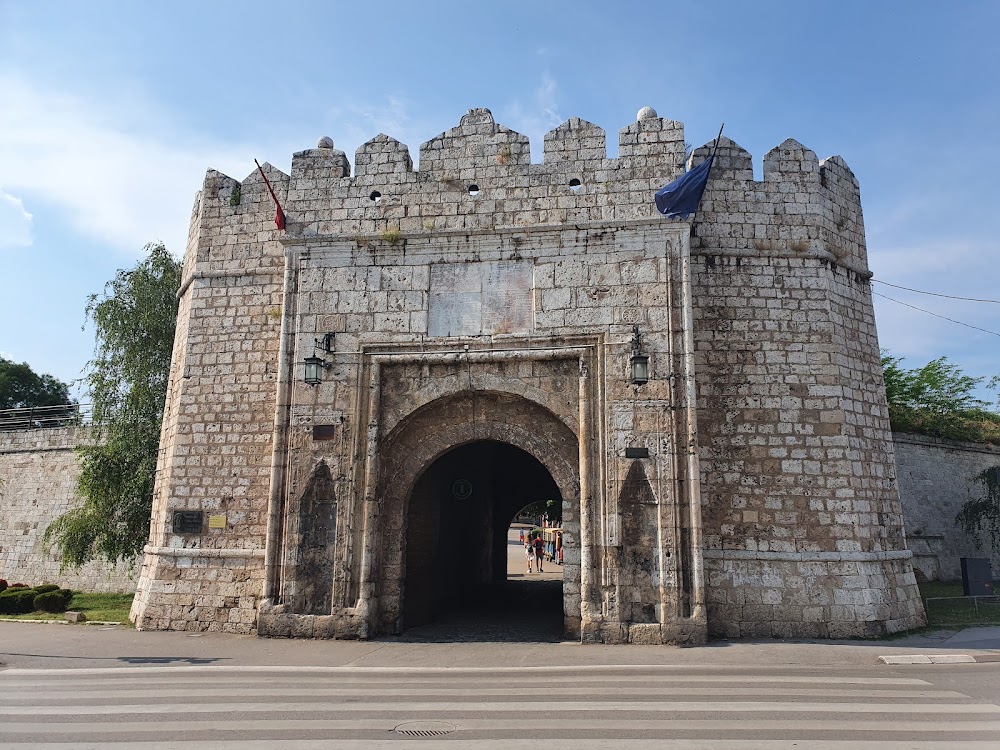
x,y
530,554
539,546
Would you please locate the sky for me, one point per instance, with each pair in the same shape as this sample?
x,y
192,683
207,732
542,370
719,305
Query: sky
x,y
110,113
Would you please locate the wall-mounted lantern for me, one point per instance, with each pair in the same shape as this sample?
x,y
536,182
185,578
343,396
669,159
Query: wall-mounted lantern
x,y
327,343
315,365
639,362
314,369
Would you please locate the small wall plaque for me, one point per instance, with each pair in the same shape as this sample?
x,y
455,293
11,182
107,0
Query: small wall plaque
x,y
217,522
637,453
187,521
324,432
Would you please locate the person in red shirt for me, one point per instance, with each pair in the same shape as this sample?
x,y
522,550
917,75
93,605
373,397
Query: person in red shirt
x,y
539,546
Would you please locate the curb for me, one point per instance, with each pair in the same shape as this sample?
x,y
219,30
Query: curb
x,y
62,622
941,659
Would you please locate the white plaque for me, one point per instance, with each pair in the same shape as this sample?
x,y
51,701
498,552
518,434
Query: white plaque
x,y
474,299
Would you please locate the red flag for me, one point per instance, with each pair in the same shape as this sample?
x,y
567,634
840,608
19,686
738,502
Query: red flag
x,y
279,216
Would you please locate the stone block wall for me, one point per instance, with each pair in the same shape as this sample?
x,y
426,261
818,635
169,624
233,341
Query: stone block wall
x,y
762,303
38,472
216,445
803,527
936,477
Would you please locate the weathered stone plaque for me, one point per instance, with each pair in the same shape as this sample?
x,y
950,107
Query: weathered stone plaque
x,y
475,299
187,521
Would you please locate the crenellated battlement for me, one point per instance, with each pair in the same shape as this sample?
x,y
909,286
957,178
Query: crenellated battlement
x,y
479,176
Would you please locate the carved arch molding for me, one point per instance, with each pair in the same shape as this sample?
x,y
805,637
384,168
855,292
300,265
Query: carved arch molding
x,y
419,411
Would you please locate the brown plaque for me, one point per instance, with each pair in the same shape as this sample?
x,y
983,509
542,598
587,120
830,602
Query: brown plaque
x,y
324,431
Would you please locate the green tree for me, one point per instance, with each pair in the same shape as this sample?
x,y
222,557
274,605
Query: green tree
x,y
540,507
134,322
21,387
939,400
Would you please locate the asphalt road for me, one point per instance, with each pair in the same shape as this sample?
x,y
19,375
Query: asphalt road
x,y
580,707
75,686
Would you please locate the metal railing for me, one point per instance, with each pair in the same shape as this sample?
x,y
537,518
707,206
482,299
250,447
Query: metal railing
x,y
983,607
41,417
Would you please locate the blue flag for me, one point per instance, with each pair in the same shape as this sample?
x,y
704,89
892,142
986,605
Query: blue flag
x,y
682,196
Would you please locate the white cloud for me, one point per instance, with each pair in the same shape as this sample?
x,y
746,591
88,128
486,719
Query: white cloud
x,y
15,222
357,123
366,121
354,124
110,165
538,117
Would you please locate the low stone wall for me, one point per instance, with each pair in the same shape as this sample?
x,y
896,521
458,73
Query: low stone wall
x,y
38,472
936,477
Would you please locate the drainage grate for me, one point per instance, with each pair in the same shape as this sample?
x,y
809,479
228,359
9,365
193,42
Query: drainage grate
x,y
425,729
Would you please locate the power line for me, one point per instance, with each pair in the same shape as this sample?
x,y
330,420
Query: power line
x,y
950,320
936,294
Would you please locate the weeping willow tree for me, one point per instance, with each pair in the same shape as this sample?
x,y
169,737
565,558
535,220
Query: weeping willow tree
x,y
134,321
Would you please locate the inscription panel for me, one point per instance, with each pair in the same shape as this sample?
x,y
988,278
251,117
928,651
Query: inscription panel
x,y
475,299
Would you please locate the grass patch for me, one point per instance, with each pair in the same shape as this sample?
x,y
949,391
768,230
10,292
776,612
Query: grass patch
x,y
99,607
957,609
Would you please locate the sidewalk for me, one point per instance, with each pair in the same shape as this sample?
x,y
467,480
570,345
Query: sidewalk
x,y
29,645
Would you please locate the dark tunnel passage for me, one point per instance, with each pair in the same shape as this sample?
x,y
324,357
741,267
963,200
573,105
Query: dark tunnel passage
x,y
457,550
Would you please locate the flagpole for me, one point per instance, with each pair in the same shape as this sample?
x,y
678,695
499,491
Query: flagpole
x,y
717,139
279,216
682,197
715,148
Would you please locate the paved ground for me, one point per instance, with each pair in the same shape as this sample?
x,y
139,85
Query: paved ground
x,y
564,708
527,607
517,562
517,624
489,676
26,645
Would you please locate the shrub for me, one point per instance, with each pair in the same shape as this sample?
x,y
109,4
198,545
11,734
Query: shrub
x,y
19,585
67,594
45,588
50,601
3,585
18,601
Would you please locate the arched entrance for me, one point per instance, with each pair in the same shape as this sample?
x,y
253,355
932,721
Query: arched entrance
x,y
454,473
457,528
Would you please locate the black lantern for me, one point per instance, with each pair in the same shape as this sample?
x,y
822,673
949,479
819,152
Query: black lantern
x,y
314,368
327,342
639,362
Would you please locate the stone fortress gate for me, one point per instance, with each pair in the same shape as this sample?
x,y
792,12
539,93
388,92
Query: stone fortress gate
x,y
470,330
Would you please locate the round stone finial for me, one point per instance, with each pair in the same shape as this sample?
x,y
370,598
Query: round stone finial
x,y
325,142
646,113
